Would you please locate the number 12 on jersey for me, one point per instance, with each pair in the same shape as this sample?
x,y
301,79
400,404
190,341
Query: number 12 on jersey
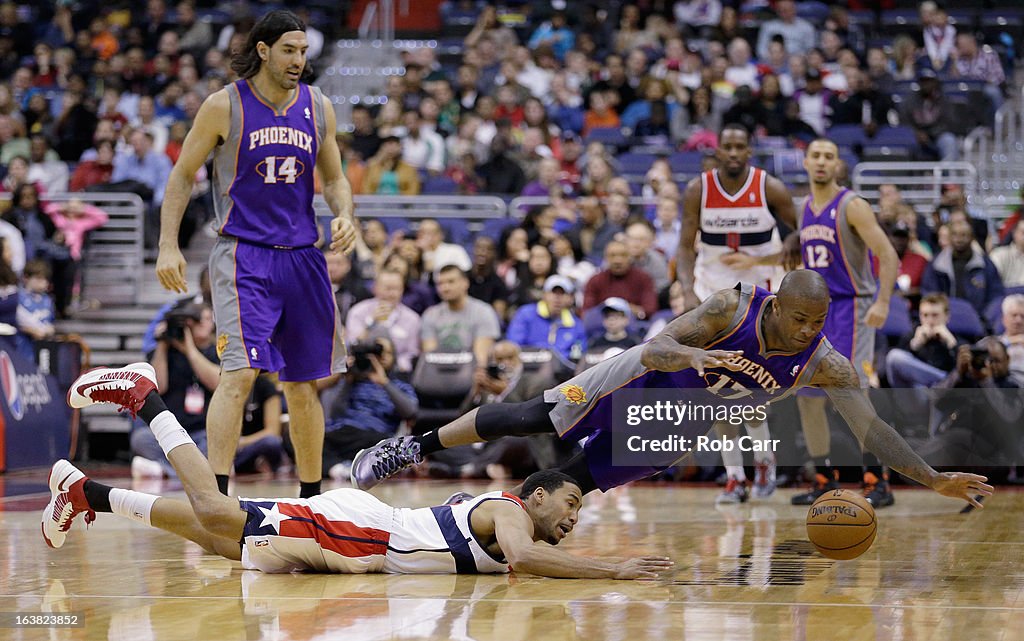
x,y
817,257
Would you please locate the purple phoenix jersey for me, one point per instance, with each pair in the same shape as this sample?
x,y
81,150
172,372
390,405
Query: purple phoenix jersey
x,y
263,173
829,246
756,377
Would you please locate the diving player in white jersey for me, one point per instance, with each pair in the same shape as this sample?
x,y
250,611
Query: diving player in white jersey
x,y
736,209
341,531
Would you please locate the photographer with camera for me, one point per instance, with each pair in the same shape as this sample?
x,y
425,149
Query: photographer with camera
x,y
367,405
187,372
977,428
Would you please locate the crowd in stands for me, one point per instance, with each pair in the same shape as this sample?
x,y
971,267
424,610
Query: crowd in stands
x,y
583,108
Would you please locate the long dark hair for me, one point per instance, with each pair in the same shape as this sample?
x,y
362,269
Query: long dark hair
x,y
246,63
7,275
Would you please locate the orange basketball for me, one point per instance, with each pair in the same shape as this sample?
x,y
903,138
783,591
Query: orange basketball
x,y
841,525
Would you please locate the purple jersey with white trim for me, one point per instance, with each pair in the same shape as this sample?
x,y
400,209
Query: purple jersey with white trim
x,y
263,173
829,246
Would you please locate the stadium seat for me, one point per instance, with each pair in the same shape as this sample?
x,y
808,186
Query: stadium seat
x,y
442,380
686,162
846,135
898,322
439,185
895,136
635,164
994,314
964,319
609,136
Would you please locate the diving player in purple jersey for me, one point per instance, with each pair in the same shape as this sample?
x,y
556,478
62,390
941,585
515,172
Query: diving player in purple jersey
x,y
838,235
272,297
737,341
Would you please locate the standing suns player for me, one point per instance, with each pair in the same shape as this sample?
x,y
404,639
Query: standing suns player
x,y
838,234
272,297
736,209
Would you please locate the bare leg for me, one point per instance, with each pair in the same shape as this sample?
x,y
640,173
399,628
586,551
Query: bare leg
x,y
306,422
218,514
178,517
461,431
224,420
815,424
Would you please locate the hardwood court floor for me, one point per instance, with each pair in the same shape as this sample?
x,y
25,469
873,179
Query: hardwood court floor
x,y
744,573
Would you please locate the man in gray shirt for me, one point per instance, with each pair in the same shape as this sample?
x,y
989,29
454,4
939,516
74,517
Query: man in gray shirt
x,y
458,322
798,34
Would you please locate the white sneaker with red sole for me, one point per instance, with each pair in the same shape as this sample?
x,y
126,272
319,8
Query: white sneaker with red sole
x,y
67,500
126,387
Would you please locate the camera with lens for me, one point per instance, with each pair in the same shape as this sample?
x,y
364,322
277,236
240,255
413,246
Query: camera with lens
x,y
176,319
495,370
979,358
361,353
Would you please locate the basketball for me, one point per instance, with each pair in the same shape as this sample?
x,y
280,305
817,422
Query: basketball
x,y
841,525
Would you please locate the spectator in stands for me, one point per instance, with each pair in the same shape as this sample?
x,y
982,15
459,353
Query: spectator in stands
x,y
975,63
963,271
488,27
36,313
1007,226
422,147
458,322
798,34
939,37
569,261
75,219
43,240
912,264
348,286
484,282
94,172
1013,334
407,261
142,170
928,111
550,323
548,171
513,252
13,143
698,117
502,174
187,372
697,17
388,174
742,72
601,114
503,380
146,120
45,167
194,36
615,319
554,33
385,315
622,279
1009,259
437,253
639,239
594,231
532,277
261,446
667,227
813,101
367,405
879,72
365,140
981,427
76,122
927,354
9,294
862,104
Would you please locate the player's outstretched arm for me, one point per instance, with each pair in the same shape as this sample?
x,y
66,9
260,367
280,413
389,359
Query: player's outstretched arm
x,y
681,344
337,192
839,380
209,129
514,531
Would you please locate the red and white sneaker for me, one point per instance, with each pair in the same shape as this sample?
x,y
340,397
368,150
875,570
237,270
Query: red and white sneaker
x,y
67,500
126,387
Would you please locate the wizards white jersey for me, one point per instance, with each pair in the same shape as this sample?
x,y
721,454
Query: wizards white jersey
x,y
351,531
735,222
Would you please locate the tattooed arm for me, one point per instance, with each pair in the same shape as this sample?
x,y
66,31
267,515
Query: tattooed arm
x,y
680,345
837,377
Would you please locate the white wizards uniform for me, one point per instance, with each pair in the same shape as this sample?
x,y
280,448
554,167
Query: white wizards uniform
x,y
729,223
350,531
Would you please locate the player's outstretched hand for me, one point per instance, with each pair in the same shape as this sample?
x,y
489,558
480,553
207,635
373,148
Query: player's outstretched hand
x,y
170,270
701,358
960,485
343,234
738,260
644,567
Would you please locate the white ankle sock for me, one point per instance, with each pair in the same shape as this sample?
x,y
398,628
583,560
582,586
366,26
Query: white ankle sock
x,y
733,461
168,432
759,432
133,505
